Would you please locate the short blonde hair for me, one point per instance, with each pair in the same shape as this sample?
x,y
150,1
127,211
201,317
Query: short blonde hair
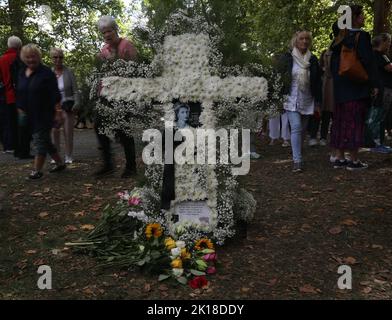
x,y
30,48
55,51
294,39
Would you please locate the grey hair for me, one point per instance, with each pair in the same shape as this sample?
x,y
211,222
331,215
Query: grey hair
x,y
14,42
107,22
53,51
295,38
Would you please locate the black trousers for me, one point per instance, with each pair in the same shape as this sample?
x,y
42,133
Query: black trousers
x,y
9,126
314,125
23,142
127,142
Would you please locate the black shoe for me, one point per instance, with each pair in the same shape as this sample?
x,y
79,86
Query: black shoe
x,y
26,157
298,167
36,175
357,166
128,173
58,168
340,164
104,171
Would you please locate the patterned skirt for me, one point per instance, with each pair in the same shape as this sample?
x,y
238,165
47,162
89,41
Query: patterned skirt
x,y
348,128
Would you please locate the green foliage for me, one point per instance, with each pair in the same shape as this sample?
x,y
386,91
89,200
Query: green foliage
x,y
255,30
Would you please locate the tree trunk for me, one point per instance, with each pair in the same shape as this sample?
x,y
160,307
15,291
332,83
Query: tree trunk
x,y
382,8
17,16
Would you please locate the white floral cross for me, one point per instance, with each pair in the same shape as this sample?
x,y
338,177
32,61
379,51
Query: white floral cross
x,y
186,76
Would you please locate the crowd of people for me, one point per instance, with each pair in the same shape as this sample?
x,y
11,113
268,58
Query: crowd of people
x,y
36,102
351,80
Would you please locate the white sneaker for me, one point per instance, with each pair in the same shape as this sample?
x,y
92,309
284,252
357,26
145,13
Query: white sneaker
x,y
323,142
333,159
68,160
286,144
254,156
313,142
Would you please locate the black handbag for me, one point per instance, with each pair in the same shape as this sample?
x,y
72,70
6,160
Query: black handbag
x,y
67,106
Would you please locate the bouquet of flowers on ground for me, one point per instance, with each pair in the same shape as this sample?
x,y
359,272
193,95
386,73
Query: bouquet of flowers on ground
x,y
190,261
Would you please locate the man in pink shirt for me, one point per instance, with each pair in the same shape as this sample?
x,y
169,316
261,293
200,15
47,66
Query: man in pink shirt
x,y
115,48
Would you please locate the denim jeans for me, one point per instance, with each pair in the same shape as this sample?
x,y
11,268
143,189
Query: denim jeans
x,y
298,124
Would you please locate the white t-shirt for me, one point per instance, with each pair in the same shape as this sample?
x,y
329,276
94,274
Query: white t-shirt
x,y
60,82
300,101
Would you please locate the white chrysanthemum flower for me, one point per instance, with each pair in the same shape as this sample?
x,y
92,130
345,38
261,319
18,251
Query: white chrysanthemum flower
x,y
180,244
177,272
176,252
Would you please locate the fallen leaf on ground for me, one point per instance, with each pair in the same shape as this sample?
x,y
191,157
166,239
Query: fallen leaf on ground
x,y
36,194
349,223
39,262
87,227
79,214
308,289
350,260
71,229
336,230
367,290
31,252
147,287
43,215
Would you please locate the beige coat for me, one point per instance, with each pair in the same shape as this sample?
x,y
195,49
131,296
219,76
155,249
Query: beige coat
x,y
328,103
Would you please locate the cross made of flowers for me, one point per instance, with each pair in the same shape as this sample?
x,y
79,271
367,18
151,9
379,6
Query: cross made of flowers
x,y
186,76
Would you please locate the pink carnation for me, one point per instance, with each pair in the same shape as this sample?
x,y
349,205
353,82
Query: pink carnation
x,y
134,201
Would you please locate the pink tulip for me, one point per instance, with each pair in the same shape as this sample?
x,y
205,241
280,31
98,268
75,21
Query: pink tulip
x,y
211,257
211,270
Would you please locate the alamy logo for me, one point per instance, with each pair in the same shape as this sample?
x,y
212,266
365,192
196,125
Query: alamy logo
x,y
345,21
198,146
45,281
345,282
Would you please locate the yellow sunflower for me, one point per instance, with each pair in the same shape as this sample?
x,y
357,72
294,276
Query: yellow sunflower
x,y
176,264
170,243
204,244
153,230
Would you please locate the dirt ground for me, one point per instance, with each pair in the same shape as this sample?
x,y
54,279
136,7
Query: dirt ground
x,y
307,226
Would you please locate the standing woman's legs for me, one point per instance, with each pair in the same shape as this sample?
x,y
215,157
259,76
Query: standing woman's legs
x,y
295,120
285,127
69,120
274,129
326,117
56,132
